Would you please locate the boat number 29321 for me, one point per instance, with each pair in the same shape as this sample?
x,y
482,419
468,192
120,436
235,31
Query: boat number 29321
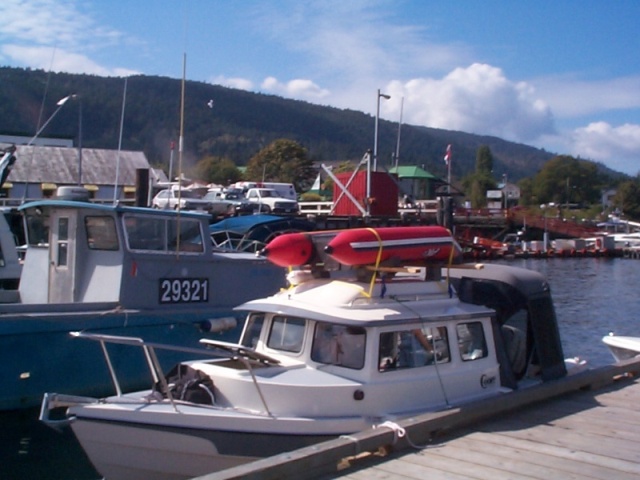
x,y
184,290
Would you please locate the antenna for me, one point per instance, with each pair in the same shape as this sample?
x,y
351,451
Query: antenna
x,y
124,100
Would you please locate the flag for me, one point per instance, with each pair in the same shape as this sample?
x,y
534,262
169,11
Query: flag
x,y
447,156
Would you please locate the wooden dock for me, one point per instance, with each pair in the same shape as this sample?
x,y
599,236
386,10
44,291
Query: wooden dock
x,y
586,435
586,426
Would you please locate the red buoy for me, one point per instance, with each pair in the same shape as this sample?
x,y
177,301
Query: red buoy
x,y
365,246
289,250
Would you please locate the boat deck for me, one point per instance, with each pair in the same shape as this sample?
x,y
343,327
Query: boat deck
x,y
585,426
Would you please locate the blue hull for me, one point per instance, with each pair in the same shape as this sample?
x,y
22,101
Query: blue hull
x,y
39,355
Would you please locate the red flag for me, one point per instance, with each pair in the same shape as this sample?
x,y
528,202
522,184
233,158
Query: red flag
x,y
447,156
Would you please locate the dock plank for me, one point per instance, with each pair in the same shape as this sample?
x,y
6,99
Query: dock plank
x,y
583,427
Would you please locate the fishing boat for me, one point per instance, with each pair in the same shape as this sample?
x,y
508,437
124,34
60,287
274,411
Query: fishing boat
x,y
622,347
112,269
343,349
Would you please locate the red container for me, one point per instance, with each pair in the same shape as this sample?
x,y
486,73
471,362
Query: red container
x,y
384,194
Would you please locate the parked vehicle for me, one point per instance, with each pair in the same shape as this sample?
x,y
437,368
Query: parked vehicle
x,y
234,201
271,201
182,199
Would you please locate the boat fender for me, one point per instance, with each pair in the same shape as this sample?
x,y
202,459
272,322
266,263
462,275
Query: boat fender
x,y
217,325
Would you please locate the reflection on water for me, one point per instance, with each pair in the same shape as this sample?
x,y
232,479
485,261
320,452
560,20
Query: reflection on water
x,y
592,297
31,450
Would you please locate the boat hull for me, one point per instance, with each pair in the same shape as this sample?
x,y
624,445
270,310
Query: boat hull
x,y
621,347
129,451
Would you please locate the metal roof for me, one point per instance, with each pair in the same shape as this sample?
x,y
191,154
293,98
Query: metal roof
x,y
59,165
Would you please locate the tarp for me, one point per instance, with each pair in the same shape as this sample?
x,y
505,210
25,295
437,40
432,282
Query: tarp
x,y
242,224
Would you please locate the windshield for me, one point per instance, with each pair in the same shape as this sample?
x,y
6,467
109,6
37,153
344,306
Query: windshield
x,y
187,194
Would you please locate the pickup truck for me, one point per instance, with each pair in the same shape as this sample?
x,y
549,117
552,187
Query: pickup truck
x,y
270,201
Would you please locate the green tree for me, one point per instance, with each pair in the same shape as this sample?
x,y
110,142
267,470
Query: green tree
x,y
526,192
564,179
484,160
477,183
282,161
217,170
627,199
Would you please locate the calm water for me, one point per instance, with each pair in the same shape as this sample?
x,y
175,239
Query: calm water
x,y
592,297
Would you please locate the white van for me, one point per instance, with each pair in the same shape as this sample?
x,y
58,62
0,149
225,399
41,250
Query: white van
x,y
286,190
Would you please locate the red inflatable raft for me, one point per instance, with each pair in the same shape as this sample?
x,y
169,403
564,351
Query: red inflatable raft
x,y
366,246
289,249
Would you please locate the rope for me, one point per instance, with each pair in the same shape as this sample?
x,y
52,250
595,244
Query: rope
x,y
378,259
399,432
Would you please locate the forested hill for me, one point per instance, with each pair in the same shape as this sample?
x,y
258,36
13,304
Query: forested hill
x,y
237,125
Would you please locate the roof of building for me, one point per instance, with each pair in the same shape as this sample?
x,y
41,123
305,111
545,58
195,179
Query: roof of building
x,y
36,164
412,171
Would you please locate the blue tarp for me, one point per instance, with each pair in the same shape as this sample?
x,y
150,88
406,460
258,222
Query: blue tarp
x,y
242,224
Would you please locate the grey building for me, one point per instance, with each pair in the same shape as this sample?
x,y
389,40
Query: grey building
x,y
39,170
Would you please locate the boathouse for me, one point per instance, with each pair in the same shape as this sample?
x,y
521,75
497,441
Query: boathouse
x,y
41,170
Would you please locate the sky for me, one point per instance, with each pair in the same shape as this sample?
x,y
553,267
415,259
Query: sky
x,y
559,75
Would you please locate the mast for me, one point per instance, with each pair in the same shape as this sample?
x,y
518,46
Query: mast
x,y
399,126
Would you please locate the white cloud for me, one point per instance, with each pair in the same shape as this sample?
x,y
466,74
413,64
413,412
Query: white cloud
x,y
299,88
233,82
571,97
55,34
59,60
357,41
618,146
477,99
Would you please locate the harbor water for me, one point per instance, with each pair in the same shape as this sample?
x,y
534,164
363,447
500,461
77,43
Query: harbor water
x,y
592,296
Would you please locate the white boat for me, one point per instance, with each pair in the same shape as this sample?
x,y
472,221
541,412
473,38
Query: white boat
x,y
333,354
621,347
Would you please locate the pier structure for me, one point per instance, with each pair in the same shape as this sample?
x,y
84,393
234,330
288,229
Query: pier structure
x,y
582,426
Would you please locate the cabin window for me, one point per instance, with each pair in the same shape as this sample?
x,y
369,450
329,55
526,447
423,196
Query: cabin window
x,y
163,235
63,241
37,228
339,345
184,235
411,348
251,334
286,333
471,341
101,233
145,233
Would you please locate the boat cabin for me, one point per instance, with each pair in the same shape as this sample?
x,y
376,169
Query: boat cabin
x,y
80,252
395,349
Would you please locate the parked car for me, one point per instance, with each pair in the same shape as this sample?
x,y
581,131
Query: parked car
x,y
184,199
222,204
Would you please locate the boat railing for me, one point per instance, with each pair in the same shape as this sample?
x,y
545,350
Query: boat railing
x,y
229,350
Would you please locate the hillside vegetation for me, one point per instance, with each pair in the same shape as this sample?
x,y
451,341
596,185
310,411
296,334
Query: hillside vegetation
x,y
237,126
